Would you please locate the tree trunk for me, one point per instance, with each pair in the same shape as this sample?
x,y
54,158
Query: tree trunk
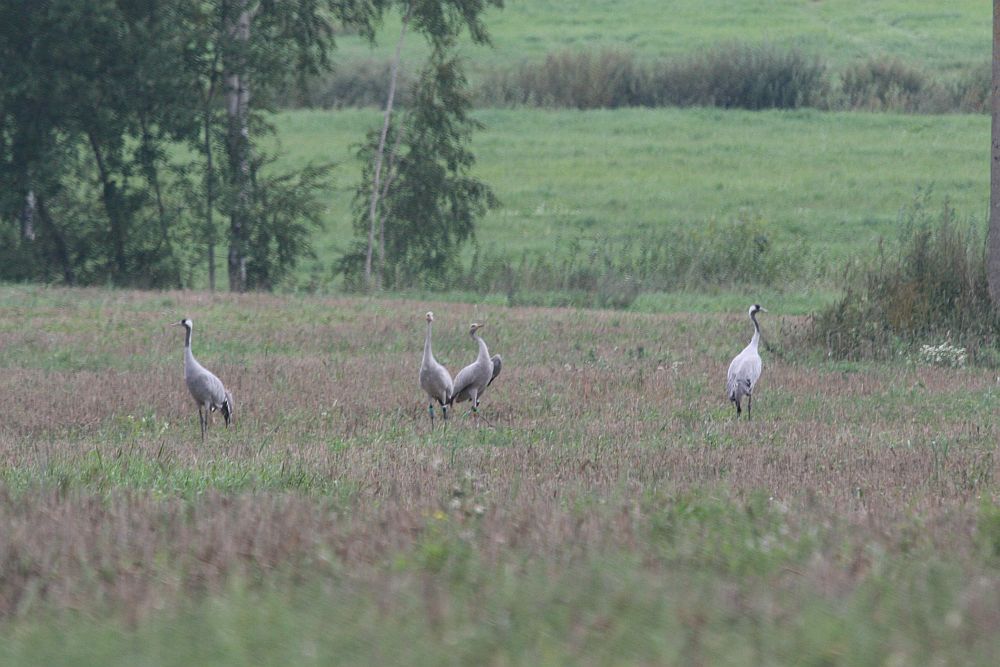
x,y
379,153
28,216
208,103
209,200
62,251
238,112
993,248
383,211
112,206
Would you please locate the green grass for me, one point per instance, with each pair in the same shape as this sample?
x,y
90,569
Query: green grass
x,y
939,36
836,181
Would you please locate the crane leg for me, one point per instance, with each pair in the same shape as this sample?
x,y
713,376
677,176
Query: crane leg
x,y
736,401
444,411
201,422
430,410
749,403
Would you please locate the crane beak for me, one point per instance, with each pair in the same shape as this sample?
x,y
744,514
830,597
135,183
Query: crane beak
x,y
763,309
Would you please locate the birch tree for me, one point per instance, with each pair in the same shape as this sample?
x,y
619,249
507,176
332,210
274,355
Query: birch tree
x,y
438,124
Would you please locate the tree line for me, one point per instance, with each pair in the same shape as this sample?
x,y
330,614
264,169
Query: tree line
x,y
130,131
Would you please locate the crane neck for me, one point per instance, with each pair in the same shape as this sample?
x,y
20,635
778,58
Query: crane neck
x,y
756,331
427,344
187,344
484,352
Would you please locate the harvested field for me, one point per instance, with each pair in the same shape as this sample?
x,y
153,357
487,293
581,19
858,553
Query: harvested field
x,y
616,512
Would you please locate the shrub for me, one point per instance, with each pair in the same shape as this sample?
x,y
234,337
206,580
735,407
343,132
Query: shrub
x,y
741,76
732,76
745,76
931,287
568,79
972,89
881,84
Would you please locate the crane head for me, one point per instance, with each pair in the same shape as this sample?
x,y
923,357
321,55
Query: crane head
x,y
474,327
186,323
757,308
430,316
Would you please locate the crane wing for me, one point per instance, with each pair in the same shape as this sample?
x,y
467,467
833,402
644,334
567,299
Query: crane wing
x,y
743,373
436,381
497,363
205,387
465,379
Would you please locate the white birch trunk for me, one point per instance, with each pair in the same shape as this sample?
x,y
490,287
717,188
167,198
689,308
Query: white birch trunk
x,y
373,218
28,216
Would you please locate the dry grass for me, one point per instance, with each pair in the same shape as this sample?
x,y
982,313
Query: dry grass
x,y
612,440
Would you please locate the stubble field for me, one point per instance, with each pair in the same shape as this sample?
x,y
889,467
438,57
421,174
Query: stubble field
x,y
614,513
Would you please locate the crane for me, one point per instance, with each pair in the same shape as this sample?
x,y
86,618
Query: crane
x,y
434,378
472,381
206,389
744,369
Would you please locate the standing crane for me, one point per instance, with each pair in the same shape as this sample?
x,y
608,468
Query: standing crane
x,y
206,389
434,378
472,381
744,370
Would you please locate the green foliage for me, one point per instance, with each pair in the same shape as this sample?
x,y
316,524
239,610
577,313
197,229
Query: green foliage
x,y
931,286
285,210
361,84
79,111
98,102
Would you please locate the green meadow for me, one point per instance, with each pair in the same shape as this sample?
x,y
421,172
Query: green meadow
x,y
939,36
835,181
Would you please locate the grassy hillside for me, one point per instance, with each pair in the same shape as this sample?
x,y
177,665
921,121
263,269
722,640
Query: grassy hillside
x,y
614,513
834,181
938,36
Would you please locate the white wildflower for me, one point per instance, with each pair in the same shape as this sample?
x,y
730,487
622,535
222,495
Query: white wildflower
x,y
945,354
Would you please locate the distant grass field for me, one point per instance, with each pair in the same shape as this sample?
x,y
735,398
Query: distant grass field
x,y
934,35
836,181
615,513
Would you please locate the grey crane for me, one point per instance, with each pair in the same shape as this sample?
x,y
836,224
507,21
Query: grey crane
x,y
744,369
472,381
206,389
434,378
